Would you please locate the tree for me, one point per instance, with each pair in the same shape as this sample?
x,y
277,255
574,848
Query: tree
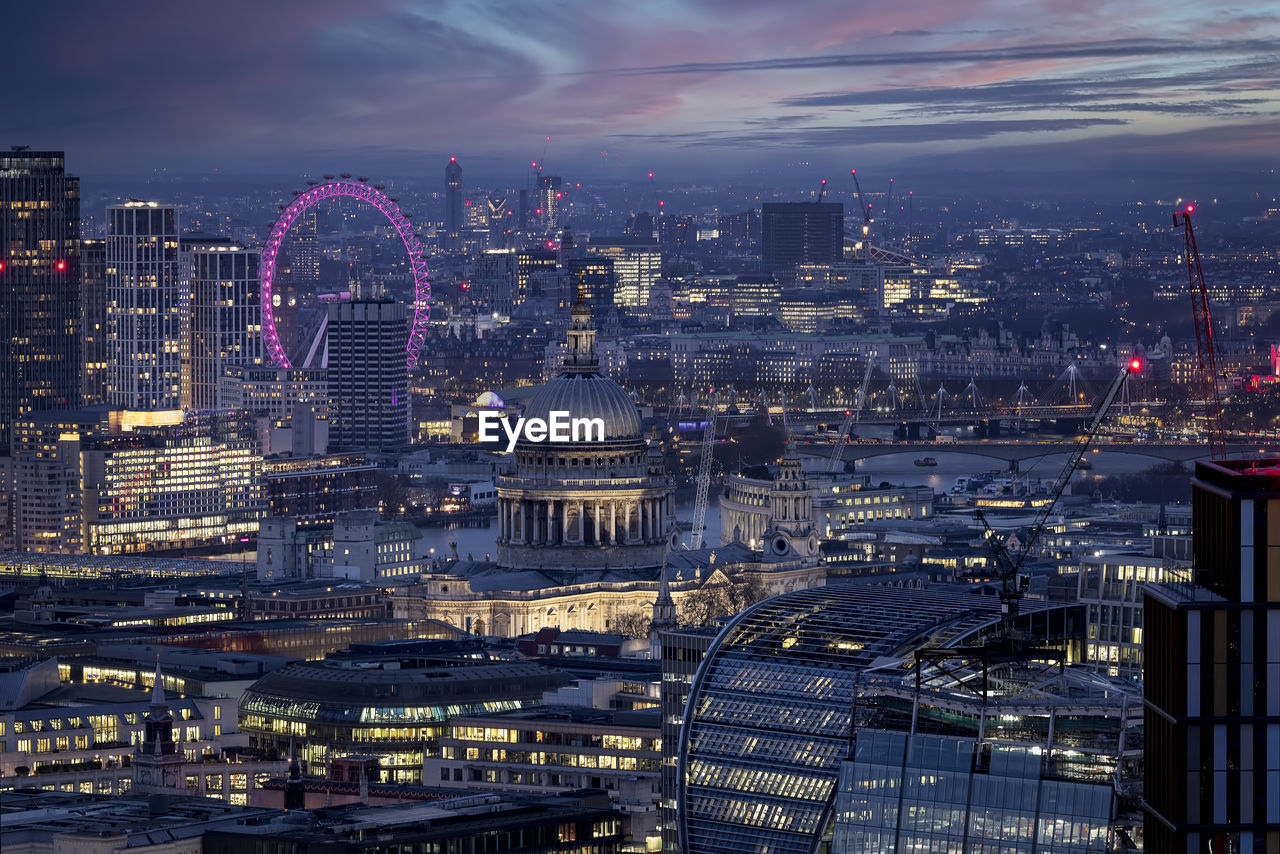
x,y
392,493
633,623
720,598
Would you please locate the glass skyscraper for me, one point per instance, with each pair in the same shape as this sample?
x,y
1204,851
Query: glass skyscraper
x,y
40,284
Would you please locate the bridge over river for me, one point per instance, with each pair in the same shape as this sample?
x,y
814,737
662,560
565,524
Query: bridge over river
x,y
1014,452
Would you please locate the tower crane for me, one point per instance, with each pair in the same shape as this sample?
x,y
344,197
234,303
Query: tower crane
x,y
704,476
1009,565
851,417
866,216
1206,349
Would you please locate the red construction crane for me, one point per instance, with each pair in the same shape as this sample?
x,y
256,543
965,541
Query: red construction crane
x,y
1206,349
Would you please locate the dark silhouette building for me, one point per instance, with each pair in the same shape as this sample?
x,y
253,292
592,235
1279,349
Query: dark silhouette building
x,y
800,233
1212,672
452,203
368,375
40,284
93,322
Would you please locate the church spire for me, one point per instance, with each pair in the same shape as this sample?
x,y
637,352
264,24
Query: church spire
x,y
664,609
158,701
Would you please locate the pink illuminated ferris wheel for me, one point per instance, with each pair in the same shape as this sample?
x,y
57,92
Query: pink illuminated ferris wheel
x,y
274,308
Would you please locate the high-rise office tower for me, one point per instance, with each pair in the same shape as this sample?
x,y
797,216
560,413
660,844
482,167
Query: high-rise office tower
x,y
637,264
225,322
145,307
800,233
40,283
549,196
368,375
529,264
93,321
1211,667
453,204
305,250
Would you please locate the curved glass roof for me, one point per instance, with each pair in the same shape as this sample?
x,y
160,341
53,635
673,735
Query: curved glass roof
x,y
768,717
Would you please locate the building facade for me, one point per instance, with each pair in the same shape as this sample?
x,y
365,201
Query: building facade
x,y
368,375
549,749
1212,672
93,322
1112,586
794,233
40,285
637,264
224,325
145,307
395,707
105,482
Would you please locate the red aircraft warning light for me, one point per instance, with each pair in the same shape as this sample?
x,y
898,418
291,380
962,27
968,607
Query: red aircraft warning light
x,y
1191,208
61,265
1135,365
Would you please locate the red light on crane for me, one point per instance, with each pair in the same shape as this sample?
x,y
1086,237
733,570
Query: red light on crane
x,y
1135,365
61,265
1191,208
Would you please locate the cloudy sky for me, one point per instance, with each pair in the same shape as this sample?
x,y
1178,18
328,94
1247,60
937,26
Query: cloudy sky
x,y
716,87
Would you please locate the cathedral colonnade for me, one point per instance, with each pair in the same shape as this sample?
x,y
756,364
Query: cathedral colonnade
x,y
590,521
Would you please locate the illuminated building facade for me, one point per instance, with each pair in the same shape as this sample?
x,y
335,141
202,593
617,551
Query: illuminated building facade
x,y
273,391
1111,585
837,504
637,264
91,746
105,482
530,264
145,307
770,709
557,748
39,285
1212,671
394,707
225,321
549,196
368,375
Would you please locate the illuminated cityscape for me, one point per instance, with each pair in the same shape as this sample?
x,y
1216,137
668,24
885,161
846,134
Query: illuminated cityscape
x,y
477,427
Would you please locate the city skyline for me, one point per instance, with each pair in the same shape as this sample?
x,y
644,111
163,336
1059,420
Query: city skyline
x,y
692,89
